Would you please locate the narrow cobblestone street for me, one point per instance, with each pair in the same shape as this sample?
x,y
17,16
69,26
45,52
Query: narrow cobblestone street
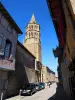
x,y
37,50
40,95
51,93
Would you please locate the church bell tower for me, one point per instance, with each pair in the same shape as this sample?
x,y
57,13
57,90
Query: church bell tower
x,y
32,38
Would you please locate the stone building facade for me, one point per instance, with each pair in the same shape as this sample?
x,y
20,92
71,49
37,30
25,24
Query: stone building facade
x,y
8,40
24,70
69,49
25,58
33,44
47,74
65,30
50,75
56,79
44,74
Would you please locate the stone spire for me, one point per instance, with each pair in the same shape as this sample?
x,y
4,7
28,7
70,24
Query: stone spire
x,y
32,39
33,19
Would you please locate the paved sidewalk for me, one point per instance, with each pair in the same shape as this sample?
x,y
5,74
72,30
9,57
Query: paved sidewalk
x,y
52,93
60,95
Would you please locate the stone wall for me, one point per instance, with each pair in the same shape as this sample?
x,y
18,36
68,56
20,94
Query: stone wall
x,y
69,46
24,70
27,61
3,83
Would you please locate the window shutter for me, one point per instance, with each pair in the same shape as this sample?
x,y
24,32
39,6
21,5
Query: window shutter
x,y
7,50
2,45
12,50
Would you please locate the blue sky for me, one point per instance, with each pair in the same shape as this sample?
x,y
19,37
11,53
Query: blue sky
x,y
21,11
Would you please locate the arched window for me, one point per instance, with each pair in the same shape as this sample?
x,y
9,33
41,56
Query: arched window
x,y
35,27
37,35
32,27
31,34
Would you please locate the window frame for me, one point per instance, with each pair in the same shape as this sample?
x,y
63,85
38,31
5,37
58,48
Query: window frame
x,y
10,49
3,40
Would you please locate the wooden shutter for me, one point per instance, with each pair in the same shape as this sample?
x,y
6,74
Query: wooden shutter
x,y
2,45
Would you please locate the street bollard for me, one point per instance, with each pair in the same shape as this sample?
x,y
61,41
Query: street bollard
x,y
1,96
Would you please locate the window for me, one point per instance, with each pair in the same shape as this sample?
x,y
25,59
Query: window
x,y
35,34
31,34
31,27
35,27
2,45
7,49
9,29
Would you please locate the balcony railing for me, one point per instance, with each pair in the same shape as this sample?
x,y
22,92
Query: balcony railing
x,y
7,64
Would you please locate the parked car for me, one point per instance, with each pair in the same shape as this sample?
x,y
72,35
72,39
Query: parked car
x,y
28,89
42,85
37,87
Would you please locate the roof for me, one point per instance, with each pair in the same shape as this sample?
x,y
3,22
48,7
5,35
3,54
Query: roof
x,y
33,19
25,49
50,71
10,19
58,17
